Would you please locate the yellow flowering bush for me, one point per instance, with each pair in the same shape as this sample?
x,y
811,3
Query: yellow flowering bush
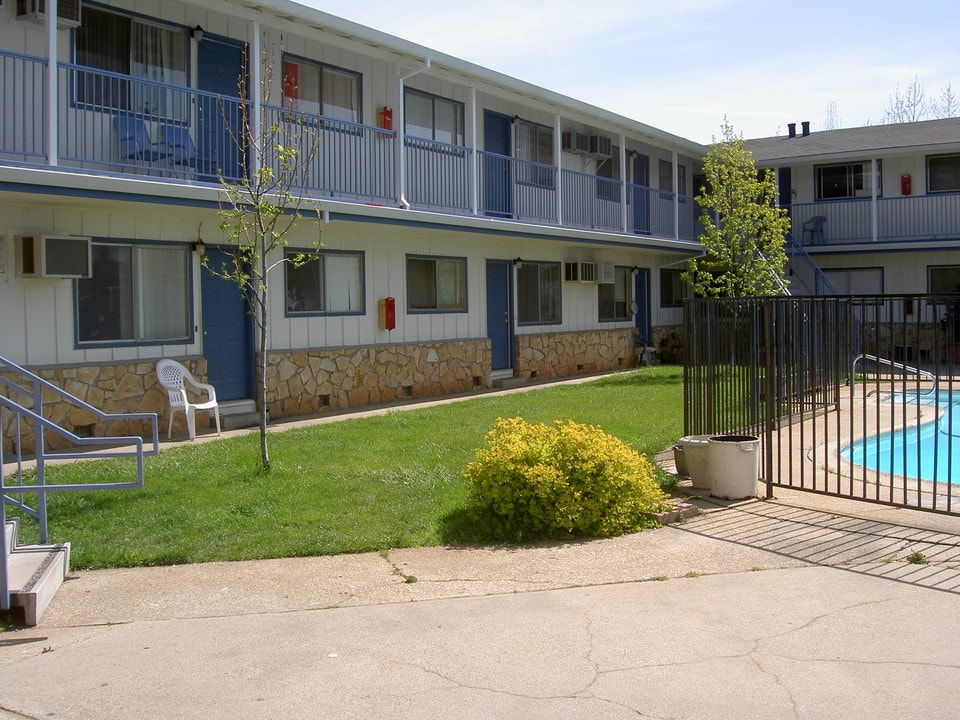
x,y
562,479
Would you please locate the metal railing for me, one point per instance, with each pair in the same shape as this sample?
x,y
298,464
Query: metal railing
x,y
917,217
805,270
23,398
852,396
353,162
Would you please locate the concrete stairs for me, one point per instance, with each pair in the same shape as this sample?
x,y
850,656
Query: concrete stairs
x,y
238,414
34,573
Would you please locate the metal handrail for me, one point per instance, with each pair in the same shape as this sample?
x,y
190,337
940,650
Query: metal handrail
x,y
119,446
893,364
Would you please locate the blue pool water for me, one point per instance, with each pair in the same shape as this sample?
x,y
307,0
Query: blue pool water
x,y
927,452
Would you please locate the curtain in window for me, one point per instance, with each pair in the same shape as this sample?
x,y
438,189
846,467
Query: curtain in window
x,y
162,280
340,95
344,283
418,111
159,54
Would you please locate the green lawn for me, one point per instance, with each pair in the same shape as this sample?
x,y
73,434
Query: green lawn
x,y
351,486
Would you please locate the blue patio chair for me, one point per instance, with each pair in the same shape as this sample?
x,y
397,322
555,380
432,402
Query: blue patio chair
x,y
814,226
183,151
135,141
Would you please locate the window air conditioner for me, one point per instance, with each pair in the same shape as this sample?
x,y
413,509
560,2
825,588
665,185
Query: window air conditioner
x,y
607,274
574,142
68,12
601,145
585,272
54,256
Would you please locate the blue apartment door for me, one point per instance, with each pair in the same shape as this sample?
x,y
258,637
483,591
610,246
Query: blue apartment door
x,y
220,69
500,313
641,195
497,165
227,332
641,296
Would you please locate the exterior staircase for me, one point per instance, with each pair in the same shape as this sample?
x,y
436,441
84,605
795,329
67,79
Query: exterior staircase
x,y
34,572
238,414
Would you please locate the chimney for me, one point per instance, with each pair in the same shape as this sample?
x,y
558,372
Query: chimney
x,y
806,127
791,130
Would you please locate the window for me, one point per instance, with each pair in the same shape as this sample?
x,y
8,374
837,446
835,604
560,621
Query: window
x,y
614,298
943,279
535,144
844,181
332,283
609,169
436,283
137,294
943,173
672,288
144,51
433,118
321,90
856,281
538,292
666,175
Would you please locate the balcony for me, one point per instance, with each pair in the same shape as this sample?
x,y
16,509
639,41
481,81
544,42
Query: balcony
x,y
353,162
913,218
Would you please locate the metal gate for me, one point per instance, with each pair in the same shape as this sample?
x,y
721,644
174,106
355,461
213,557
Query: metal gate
x,y
851,395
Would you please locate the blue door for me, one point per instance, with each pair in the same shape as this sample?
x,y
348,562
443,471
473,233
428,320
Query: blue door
x,y
220,67
641,195
497,165
641,296
227,332
500,313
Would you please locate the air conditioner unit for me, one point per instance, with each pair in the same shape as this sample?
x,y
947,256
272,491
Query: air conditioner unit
x,y
575,142
584,272
54,256
601,145
607,274
68,12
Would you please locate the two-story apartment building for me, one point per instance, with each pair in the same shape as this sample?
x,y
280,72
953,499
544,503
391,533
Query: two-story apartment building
x,y
517,232
877,207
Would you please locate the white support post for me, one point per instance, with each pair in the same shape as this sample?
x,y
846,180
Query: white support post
x,y
676,196
623,183
874,209
557,154
256,80
53,106
475,162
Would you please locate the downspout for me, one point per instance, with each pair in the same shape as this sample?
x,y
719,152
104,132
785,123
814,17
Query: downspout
x,y
401,155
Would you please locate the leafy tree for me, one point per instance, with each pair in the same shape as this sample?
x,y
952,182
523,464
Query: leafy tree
x,y
260,210
744,229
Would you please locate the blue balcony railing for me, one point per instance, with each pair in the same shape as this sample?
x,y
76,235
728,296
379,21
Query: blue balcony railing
x,y
188,135
917,217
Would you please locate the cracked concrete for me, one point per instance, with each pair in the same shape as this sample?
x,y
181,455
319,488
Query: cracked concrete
x,y
778,609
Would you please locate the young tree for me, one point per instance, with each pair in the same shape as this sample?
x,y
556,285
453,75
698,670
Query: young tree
x,y
744,229
907,106
833,119
260,210
947,105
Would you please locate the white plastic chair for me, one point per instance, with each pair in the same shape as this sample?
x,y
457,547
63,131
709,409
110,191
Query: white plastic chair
x,y
174,378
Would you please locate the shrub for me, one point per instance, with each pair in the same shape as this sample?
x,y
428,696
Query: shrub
x,y
564,479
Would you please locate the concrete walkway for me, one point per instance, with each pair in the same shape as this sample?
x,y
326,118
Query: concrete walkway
x,y
758,609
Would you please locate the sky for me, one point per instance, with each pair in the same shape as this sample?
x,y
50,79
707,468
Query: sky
x,y
684,65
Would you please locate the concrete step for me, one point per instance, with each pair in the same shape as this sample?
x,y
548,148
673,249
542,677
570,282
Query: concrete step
x,y
11,529
238,414
34,574
510,382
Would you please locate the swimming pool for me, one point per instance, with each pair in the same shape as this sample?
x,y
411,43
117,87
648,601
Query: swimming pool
x,y
927,452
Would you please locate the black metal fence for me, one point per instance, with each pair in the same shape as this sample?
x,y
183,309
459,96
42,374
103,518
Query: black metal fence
x,y
850,395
